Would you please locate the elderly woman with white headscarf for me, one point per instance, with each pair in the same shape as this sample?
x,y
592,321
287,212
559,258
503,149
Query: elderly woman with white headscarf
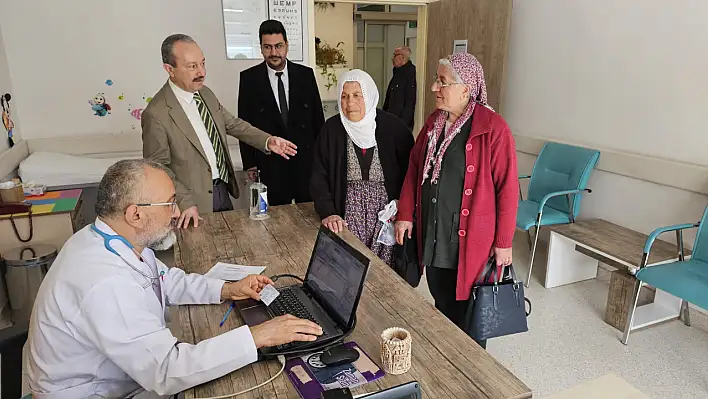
x,y
461,188
360,161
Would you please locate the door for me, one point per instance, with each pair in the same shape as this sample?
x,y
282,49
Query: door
x,y
485,24
376,42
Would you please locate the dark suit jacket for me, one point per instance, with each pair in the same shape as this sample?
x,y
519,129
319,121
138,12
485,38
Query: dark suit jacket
x,y
286,179
328,185
170,139
401,94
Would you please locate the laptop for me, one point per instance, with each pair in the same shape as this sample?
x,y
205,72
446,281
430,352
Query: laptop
x,y
409,390
329,295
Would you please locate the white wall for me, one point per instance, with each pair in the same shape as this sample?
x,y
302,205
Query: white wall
x,y
336,24
6,87
625,75
628,75
62,52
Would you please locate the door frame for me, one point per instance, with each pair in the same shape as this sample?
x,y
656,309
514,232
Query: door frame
x,y
421,45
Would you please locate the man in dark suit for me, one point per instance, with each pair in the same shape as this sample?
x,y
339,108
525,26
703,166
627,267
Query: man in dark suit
x,y
401,92
281,97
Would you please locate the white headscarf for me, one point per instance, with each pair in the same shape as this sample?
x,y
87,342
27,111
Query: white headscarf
x,y
362,133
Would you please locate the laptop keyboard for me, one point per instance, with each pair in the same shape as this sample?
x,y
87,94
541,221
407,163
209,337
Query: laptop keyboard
x,y
288,303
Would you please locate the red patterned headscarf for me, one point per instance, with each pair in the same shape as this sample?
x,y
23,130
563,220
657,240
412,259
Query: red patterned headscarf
x,y
470,72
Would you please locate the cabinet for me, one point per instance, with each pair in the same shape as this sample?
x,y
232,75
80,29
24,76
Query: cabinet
x,y
56,216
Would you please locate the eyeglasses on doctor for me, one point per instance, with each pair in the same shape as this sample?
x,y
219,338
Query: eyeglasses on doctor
x,y
173,204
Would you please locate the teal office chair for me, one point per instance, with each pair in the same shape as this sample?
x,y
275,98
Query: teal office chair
x,y
684,279
559,177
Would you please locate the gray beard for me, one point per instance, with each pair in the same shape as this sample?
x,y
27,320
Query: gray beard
x,y
163,243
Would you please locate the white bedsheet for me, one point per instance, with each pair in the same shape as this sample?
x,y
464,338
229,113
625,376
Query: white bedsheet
x,y
53,169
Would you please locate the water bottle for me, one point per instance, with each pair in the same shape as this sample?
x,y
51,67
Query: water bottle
x,y
259,199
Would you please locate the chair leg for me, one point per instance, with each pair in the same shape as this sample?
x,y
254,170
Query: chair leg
x,y
685,314
530,239
630,314
533,250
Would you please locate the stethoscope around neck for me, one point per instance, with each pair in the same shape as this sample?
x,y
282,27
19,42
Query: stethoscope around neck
x,y
107,238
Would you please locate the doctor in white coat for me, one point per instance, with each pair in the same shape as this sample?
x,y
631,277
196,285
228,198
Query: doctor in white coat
x,y
98,324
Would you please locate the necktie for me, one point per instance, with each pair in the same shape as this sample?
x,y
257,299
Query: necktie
x,y
282,99
213,134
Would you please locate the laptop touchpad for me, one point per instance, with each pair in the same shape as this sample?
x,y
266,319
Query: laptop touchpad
x,y
256,315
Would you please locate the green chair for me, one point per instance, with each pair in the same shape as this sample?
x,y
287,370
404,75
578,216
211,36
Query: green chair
x,y
686,280
559,177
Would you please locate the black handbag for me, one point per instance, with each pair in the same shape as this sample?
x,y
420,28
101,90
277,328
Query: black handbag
x,y
497,308
405,261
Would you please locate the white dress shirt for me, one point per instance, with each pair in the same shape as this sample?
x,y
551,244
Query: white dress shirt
x,y
274,83
98,329
189,105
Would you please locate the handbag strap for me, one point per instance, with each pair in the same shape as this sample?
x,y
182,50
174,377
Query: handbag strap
x,y
31,227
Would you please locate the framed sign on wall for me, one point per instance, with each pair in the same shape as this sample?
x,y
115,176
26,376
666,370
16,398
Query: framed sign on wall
x,y
289,12
242,18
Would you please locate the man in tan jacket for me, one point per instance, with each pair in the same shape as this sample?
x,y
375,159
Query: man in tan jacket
x,y
185,128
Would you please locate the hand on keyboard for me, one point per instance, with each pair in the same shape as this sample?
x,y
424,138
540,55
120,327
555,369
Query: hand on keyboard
x,y
283,330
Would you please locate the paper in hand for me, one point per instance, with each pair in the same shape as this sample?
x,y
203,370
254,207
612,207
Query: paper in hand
x,y
268,294
229,272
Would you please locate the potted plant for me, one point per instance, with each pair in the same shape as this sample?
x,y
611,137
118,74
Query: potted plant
x,y
326,57
324,5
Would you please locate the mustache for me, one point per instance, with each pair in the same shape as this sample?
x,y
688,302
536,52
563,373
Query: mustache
x,y
200,79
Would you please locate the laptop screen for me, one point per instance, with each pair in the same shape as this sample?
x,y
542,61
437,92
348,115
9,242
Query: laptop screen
x,y
336,276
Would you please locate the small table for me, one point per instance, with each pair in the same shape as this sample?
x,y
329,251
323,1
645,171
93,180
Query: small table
x,y
56,216
446,362
575,250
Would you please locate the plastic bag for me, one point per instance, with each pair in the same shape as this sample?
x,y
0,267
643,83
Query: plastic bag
x,y
387,235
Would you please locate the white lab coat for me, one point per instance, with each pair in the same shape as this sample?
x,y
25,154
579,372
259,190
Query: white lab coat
x,y
98,328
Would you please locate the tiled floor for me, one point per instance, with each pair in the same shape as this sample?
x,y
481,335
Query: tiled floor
x,y
569,343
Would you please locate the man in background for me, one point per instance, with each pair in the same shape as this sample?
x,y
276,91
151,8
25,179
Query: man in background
x,y
401,92
280,97
185,128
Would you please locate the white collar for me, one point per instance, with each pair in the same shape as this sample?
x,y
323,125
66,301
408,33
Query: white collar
x,y
181,93
273,72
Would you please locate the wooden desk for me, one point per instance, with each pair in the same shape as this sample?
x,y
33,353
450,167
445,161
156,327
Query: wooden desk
x,y
446,362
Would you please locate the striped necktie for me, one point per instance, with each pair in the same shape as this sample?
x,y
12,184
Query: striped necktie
x,y
213,134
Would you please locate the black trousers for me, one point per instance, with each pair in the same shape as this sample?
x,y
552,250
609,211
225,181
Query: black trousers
x,y
441,283
221,199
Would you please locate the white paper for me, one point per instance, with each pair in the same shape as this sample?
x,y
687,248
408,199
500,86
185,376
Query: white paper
x,y
268,294
230,272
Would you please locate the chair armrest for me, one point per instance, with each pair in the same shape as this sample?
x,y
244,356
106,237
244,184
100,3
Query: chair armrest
x,y
661,230
524,177
558,194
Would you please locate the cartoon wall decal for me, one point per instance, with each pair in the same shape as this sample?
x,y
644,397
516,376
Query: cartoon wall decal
x,y
121,97
137,113
109,82
99,105
147,100
7,118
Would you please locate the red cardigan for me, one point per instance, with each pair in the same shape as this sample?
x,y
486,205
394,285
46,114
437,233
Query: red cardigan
x,y
490,199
